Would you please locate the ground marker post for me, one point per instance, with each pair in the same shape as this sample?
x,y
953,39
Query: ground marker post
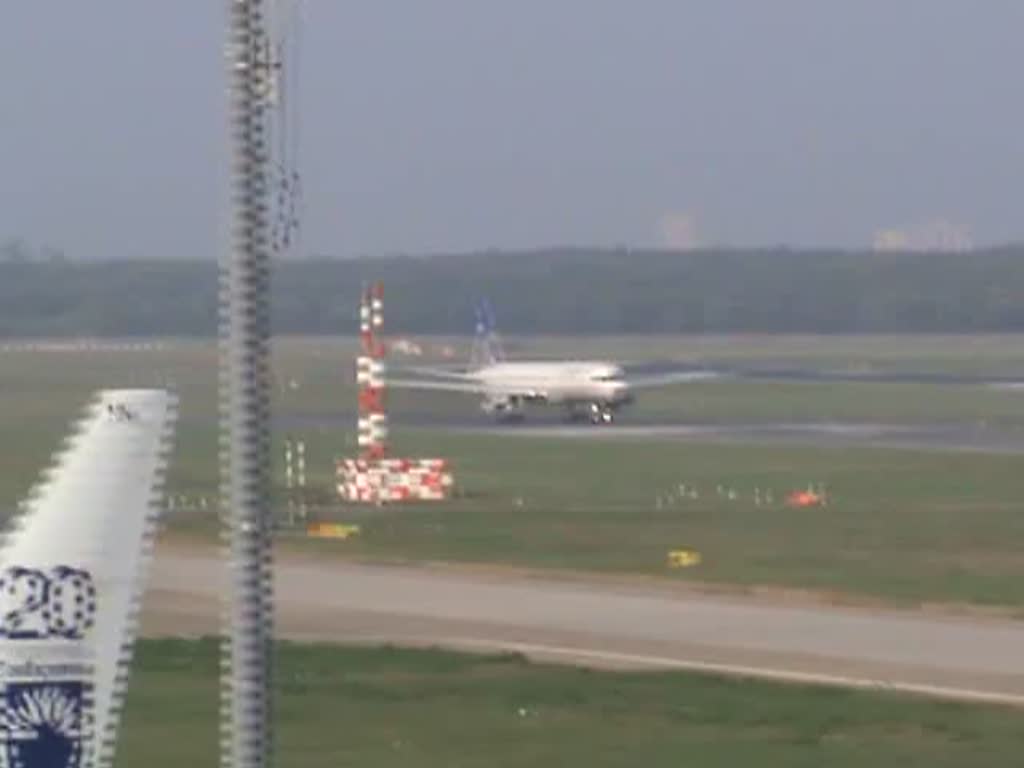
x,y
289,482
301,472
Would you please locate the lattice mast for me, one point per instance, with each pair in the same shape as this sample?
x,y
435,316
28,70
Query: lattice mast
x,y
245,395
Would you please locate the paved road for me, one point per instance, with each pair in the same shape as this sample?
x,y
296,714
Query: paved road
x,y
605,624
957,438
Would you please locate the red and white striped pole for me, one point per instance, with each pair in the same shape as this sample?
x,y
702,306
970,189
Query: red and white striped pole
x,y
373,420
373,477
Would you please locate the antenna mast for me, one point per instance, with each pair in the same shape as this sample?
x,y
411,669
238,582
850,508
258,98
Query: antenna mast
x,y
245,395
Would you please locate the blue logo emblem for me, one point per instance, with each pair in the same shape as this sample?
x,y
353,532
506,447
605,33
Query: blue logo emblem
x,y
42,724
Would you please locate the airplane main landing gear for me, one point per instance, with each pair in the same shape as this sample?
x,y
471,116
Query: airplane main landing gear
x,y
594,413
601,414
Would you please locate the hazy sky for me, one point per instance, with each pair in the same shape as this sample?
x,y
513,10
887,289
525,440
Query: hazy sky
x,y
460,124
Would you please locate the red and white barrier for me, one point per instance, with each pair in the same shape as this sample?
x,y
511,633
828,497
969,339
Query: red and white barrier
x,y
373,477
394,480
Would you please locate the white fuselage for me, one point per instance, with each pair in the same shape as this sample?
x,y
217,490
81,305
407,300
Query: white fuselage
x,y
556,382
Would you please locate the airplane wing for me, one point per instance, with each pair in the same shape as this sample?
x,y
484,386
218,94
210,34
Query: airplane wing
x,y
670,379
438,386
493,389
72,568
441,373
465,383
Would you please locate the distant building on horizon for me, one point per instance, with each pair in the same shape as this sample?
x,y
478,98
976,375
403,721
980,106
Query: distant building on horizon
x,y
934,235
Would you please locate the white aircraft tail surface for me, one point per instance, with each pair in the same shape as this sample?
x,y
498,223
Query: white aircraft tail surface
x,y
487,348
72,570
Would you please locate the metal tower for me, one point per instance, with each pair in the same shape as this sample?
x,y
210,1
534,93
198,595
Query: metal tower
x,y
245,396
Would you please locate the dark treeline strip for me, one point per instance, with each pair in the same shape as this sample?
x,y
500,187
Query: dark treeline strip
x,y
557,292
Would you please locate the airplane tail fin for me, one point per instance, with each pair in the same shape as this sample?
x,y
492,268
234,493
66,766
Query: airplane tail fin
x,y
72,570
486,342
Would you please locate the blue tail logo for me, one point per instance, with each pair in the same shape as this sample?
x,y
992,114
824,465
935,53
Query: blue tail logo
x,y
486,344
485,322
43,724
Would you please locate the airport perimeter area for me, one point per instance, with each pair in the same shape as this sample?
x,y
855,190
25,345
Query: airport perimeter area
x,y
904,574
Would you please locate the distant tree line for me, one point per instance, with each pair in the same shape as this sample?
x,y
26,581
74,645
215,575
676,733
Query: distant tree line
x,y
552,292
17,251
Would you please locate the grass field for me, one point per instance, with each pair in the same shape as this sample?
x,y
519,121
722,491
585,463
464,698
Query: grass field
x,y
901,525
383,708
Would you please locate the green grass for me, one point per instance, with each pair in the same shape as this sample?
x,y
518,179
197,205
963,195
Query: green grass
x,y
384,707
900,525
904,526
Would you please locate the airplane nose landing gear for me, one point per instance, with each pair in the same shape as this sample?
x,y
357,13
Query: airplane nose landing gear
x,y
601,414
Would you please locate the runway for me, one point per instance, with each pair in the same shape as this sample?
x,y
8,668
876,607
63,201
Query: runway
x,y
630,424
607,624
782,372
930,437
956,437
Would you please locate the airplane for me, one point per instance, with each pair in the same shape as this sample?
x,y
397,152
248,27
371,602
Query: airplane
x,y
591,390
72,569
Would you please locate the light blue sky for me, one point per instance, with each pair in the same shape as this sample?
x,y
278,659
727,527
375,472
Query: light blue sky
x,y
457,124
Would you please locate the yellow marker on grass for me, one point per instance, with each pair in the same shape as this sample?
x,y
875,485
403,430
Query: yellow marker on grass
x,y
683,558
333,531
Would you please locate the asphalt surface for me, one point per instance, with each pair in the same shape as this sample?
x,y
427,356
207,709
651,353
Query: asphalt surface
x,y
768,371
548,423
607,624
938,437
